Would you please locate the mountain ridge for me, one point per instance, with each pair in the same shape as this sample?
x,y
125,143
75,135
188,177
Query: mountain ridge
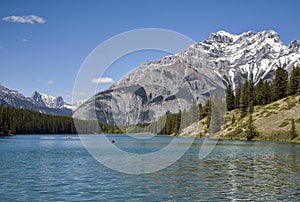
x,y
13,98
202,69
50,101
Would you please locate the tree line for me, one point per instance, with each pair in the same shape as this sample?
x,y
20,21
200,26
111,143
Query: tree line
x,y
264,93
244,98
213,111
248,96
173,123
22,121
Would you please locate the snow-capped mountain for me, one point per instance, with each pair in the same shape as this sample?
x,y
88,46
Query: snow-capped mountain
x,y
159,87
249,55
12,98
50,101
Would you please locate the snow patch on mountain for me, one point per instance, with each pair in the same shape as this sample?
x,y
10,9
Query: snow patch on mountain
x,y
254,55
51,101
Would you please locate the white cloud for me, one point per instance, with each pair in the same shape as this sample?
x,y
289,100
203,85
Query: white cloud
x,y
23,40
25,19
50,82
102,80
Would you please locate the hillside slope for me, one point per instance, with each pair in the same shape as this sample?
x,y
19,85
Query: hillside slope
x,y
273,122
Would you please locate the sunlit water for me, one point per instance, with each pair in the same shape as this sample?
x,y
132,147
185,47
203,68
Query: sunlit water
x,y
52,168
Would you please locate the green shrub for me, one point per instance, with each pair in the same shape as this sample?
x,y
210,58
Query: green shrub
x,y
284,123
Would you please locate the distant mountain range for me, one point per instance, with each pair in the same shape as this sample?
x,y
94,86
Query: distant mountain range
x,y
50,101
39,102
159,87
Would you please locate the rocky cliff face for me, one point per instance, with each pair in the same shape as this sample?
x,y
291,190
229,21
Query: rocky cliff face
x,y
174,82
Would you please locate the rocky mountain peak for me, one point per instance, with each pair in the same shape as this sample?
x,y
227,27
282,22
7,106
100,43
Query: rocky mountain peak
x,y
294,46
223,37
59,102
36,96
50,101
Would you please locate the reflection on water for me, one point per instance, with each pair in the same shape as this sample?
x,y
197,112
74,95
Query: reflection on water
x,y
51,168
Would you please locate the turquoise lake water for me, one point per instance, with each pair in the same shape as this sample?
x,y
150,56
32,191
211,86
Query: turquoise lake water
x,y
52,168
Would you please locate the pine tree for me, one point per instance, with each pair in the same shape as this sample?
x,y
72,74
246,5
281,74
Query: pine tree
x,y
178,123
201,111
280,84
293,130
250,132
237,98
208,112
244,99
259,93
267,93
185,119
251,96
218,110
229,98
294,81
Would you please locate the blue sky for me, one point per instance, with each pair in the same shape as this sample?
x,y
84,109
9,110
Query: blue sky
x,y
47,55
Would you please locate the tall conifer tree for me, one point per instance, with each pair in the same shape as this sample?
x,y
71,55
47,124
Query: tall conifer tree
x,y
229,98
280,84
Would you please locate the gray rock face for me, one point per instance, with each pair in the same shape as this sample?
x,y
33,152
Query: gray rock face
x,y
174,82
12,98
38,98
